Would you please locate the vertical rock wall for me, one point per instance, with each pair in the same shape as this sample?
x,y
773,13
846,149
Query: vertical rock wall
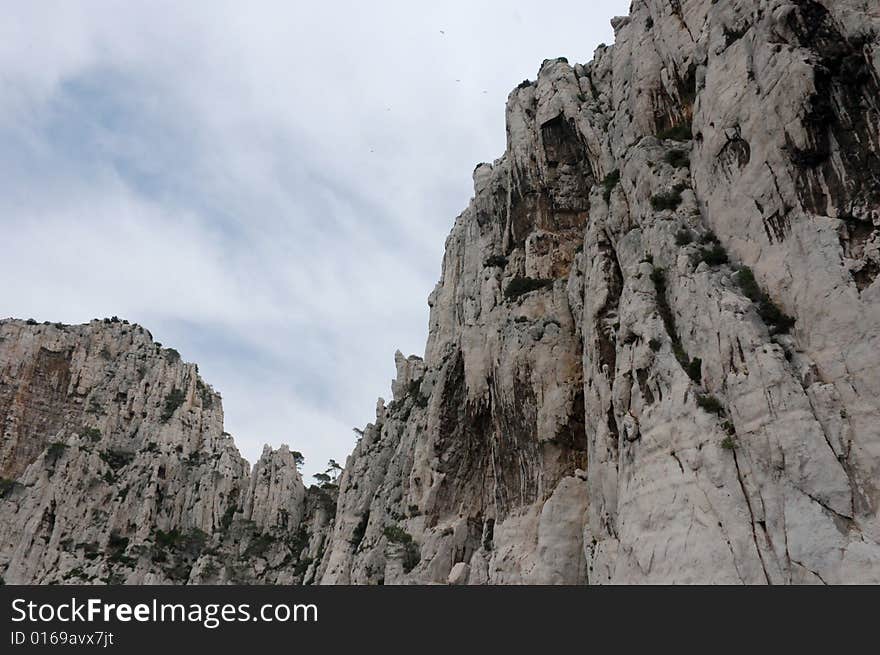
x,y
653,351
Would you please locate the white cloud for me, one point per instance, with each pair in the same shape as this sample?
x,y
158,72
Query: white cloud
x,y
267,187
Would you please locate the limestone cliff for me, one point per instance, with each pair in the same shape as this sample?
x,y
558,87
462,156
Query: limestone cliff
x,y
653,354
115,468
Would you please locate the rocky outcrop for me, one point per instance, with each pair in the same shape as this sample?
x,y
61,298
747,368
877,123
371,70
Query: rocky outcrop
x,y
652,356
115,468
653,352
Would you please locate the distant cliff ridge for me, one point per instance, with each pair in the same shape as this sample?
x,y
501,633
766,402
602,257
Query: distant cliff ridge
x,y
653,354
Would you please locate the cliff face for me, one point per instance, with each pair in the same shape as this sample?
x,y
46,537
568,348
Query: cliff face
x,y
115,468
653,352
612,389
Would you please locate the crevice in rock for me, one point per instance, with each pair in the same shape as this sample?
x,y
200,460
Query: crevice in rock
x,y
642,379
677,461
607,317
745,494
734,155
807,568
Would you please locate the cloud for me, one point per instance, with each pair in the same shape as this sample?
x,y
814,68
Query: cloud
x,y
267,189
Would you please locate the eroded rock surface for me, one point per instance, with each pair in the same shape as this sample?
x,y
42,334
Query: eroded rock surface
x,y
653,354
115,468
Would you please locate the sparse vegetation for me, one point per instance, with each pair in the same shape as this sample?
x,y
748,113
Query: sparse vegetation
x,y
93,434
177,551
54,451
496,260
205,394
666,200
116,459
90,549
683,238
172,356
298,541
677,158
116,545
728,443
773,317
397,535
76,572
708,237
6,486
298,459
168,539
611,180
715,255
210,569
520,286
655,345
259,545
191,541
710,403
173,401
694,371
325,479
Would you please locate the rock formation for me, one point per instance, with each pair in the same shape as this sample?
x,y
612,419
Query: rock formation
x,y
114,468
653,354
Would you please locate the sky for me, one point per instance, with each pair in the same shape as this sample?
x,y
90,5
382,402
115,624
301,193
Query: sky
x,y
265,186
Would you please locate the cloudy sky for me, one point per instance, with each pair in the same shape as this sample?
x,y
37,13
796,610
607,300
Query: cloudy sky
x,y
265,186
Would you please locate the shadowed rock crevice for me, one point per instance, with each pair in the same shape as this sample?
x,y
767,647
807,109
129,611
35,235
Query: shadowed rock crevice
x,y
839,168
